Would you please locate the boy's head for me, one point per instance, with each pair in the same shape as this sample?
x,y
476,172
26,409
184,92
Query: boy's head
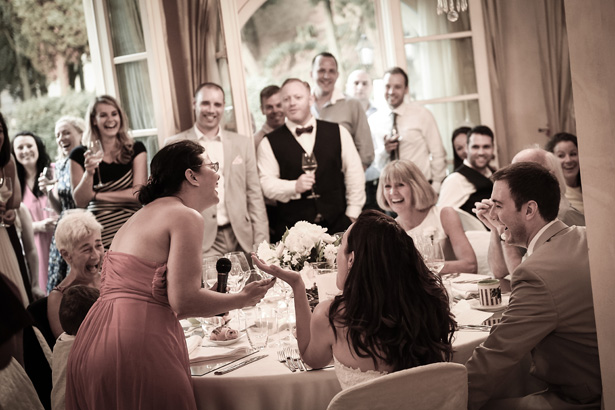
x,y
75,304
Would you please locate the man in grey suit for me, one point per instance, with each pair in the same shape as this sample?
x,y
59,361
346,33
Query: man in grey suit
x,y
551,311
239,221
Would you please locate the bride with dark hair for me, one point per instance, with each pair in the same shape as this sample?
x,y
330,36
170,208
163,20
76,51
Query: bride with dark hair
x,y
392,314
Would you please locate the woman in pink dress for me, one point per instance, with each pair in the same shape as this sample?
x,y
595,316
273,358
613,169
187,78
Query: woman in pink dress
x,y
130,352
32,159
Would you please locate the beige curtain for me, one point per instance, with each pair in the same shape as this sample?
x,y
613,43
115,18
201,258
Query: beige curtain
x,y
555,66
494,17
193,40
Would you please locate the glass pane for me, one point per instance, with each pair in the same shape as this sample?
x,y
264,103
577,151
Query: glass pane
x,y
136,94
419,18
125,26
282,37
442,68
451,116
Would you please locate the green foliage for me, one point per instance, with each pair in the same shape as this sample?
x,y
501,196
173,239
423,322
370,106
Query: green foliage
x,y
39,115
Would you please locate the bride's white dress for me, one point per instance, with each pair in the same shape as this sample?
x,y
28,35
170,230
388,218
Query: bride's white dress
x,y
348,376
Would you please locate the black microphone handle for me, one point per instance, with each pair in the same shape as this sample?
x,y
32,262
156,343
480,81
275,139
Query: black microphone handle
x,y
222,281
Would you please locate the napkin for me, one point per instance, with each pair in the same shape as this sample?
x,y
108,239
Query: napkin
x,y
465,315
466,290
217,354
193,342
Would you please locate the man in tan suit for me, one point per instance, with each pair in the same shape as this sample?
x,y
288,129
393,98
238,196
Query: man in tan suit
x,y
239,221
551,311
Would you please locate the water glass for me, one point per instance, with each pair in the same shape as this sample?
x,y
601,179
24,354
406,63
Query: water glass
x,y
260,323
210,274
326,281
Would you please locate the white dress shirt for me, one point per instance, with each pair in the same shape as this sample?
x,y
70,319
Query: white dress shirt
x,y
215,151
283,190
456,189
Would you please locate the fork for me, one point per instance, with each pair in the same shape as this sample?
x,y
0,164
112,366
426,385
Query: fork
x,y
282,359
297,357
290,359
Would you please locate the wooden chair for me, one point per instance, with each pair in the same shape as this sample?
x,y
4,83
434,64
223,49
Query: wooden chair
x,y
438,386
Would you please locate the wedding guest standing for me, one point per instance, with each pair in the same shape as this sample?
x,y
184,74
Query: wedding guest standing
x,y
404,190
393,314
130,351
551,310
566,149
108,187
68,131
32,158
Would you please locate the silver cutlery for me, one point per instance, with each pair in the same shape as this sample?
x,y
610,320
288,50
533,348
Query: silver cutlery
x,y
297,357
289,358
238,365
479,328
467,281
282,359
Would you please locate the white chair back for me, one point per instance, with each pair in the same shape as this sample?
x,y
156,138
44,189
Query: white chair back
x,y
480,244
470,222
438,386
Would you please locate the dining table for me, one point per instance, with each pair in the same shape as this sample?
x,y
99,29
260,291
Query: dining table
x,y
268,384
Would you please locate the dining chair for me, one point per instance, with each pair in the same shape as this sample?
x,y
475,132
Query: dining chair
x,y
470,222
479,240
437,386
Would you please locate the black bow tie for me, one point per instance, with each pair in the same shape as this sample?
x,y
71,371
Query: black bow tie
x,y
300,130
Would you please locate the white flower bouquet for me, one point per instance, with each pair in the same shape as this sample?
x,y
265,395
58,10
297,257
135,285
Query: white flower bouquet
x,y
302,244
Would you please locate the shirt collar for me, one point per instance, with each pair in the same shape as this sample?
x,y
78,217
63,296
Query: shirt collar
x,y
292,126
336,96
486,172
201,137
530,247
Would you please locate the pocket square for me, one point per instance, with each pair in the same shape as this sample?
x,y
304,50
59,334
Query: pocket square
x,y
238,160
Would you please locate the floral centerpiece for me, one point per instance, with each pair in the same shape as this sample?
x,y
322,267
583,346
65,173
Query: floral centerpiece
x,y
302,244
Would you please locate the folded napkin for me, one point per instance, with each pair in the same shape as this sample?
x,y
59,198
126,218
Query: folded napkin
x,y
465,315
465,285
217,354
193,342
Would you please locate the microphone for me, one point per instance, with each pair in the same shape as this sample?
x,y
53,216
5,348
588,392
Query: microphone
x,y
223,266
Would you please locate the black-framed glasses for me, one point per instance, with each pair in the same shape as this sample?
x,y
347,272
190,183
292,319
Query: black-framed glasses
x,y
213,165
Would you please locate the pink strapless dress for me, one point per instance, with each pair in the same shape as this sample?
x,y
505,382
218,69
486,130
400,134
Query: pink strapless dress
x,y
130,351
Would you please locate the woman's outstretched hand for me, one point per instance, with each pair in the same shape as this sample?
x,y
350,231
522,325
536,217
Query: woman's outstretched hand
x,y
288,276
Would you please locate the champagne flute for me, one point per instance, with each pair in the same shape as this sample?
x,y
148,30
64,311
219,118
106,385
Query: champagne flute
x,y
97,153
6,192
309,165
49,173
434,256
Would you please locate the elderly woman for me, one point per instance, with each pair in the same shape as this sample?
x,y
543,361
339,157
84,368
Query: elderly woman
x,y
68,133
404,190
108,188
566,149
151,277
79,241
393,314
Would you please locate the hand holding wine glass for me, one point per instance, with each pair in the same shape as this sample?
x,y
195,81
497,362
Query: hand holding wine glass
x,y
309,165
97,154
6,192
434,257
47,181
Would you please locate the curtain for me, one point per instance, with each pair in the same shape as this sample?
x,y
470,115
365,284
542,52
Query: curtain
x,y
555,66
494,21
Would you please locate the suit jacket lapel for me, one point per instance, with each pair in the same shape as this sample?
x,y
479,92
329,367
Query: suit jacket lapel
x,y
229,151
551,231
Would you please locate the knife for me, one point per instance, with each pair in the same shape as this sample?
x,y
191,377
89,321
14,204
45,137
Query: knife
x,y
238,365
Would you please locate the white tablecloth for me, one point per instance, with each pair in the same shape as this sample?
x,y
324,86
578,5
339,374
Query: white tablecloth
x,y
268,384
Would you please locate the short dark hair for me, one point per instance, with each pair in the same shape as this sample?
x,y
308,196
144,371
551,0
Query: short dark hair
x,y
483,130
268,92
559,137
398,70
5,149
42,162
168,169
75,305
325,54
530,181
209,85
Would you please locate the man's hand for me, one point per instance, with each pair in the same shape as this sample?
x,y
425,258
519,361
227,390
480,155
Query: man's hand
x,y
304,183
390,144
483,212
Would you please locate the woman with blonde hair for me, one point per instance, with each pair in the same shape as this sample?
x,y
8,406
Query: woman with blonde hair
x,y
108,187
404,190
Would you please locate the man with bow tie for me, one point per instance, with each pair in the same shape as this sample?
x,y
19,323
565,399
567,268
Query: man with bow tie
x,y
334,194
239,221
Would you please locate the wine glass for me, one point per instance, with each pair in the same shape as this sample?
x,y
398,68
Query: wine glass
x,y
240,270
6,192
434,257
210,274
49,173
97,153
309,165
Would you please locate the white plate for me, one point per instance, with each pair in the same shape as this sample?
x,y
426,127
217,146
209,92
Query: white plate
x,y
225,342
475,304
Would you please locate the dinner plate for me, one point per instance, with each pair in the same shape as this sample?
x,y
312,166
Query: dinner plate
x,y
475,304
226,342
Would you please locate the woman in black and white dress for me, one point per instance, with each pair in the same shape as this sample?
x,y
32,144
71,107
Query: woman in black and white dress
x,y
122,171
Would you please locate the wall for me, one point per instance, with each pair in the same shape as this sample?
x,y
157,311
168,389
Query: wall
x,y
591,34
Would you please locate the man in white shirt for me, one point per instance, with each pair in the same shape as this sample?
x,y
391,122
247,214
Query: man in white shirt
x,y
239,221
470,182
331,105
338,181
417,137
271,107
